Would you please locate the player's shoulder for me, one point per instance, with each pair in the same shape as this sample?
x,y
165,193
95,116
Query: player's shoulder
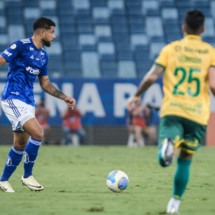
x,y
167,48
20,43
25,41
174,44
207,48
207,45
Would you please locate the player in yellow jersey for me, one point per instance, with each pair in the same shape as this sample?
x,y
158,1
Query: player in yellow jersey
x,y
188,67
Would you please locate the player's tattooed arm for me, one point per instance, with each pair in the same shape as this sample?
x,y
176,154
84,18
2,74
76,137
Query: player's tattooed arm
x,y
146,82
49,88
149,79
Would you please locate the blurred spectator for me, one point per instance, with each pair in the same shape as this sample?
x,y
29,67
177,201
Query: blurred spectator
x,y
73,131
42,115
142,125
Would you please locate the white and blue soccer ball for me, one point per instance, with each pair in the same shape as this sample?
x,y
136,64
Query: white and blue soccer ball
x,y
117,181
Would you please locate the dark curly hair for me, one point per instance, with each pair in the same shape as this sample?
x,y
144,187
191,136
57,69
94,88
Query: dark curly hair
x,y
43,22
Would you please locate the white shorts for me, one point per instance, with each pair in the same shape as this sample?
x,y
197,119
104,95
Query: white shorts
x,y
17,112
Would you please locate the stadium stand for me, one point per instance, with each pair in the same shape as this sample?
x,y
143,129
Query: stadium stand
x,y
102,38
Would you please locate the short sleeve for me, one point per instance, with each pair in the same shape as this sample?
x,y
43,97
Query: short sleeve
x,y
44,70
162,59
13,51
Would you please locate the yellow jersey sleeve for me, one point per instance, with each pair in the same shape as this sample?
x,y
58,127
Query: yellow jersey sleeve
x,y
162,59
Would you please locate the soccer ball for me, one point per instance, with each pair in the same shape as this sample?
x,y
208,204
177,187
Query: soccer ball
x,y
117,181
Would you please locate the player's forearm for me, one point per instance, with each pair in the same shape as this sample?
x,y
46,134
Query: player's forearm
x,y
52,90
149,79
2,60
145,84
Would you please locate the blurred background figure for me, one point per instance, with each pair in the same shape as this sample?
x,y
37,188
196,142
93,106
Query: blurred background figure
x,y
42,115
73,132
142,125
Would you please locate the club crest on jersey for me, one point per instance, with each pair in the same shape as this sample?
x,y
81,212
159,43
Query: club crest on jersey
x,y
13,46
33,71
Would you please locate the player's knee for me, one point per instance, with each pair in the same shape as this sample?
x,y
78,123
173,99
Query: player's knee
x,y
19,146
38,135
185,155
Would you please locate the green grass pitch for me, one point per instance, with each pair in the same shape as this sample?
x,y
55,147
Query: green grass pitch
x,y
74,180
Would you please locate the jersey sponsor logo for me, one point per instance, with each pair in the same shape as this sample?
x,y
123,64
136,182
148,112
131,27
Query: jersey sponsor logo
x,y
33,71
32,57
7,53
200,51
194,108
185,58
31,49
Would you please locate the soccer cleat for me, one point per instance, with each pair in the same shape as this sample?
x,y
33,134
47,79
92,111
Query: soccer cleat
x,y
167,151
6,187
173,206
32,183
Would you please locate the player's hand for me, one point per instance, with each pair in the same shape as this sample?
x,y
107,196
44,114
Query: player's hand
x,y
71,102
132,102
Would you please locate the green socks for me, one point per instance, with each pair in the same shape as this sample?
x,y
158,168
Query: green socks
x,y
181,177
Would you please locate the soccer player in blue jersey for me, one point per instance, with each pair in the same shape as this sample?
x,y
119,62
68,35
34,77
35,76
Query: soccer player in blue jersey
x,y
27,60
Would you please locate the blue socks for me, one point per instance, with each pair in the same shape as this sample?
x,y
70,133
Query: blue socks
x,y
31,152
15,156
13,160
181,178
